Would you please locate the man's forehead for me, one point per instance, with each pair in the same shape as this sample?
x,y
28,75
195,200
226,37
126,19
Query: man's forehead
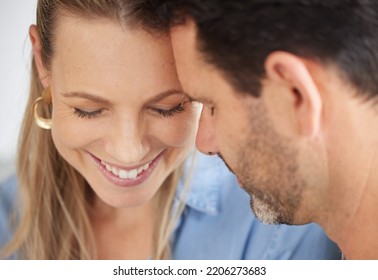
x,y
184,32
200,80
183,39
187,61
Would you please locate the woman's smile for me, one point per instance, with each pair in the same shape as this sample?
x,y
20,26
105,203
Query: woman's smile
x,y
127,176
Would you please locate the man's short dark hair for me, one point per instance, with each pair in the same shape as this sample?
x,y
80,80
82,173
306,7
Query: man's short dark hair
x,y
237,35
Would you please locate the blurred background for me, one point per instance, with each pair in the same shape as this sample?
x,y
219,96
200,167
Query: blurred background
x,y
15,55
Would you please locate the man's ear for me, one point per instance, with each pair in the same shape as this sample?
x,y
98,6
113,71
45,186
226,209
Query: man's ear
x,y
291,73
37,54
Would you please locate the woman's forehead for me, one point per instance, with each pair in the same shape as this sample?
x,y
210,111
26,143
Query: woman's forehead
x,y
102,56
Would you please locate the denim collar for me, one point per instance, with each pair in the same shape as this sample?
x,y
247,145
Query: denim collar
x,y
205,183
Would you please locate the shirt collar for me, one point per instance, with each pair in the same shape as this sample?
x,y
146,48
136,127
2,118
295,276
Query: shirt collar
x,y
204,184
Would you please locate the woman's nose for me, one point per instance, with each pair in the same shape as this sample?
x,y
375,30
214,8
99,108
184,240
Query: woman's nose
x,y
128,143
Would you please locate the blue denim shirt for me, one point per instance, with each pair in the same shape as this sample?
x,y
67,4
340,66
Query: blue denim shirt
x,y
7,200
217,222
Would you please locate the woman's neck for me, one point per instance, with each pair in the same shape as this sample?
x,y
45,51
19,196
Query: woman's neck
x,y
123,233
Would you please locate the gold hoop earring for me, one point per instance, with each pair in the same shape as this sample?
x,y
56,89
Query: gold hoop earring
x,y
46,99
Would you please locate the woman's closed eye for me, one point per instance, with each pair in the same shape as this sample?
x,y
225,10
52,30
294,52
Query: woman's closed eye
x,y
170,112
163,112
87,114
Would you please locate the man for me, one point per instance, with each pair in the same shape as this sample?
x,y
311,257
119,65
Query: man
x,y
289,89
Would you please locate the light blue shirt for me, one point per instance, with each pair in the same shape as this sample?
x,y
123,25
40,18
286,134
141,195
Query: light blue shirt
x,y
217,222
7,196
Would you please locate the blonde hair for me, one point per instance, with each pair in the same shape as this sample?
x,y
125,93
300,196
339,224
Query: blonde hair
x,y
53,222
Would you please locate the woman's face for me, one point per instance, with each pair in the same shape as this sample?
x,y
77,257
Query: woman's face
x,y
119,115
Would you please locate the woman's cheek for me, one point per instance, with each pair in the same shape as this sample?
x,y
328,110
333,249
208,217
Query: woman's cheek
x,y
179,130
69,131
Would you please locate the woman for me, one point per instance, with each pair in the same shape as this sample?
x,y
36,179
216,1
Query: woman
x,y
119,123
100,153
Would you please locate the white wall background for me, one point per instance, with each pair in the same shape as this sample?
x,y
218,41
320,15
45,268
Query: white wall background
x,y
15,54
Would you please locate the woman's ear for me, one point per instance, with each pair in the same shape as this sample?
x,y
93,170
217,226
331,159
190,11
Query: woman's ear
x,y
295,79
37,54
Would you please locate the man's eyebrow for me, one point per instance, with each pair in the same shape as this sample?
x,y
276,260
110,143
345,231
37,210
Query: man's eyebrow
x,y
88,96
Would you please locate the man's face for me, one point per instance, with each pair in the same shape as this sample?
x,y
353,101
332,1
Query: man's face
x,y
237,126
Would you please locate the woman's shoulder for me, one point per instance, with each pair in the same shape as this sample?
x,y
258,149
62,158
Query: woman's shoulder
x,y
8,190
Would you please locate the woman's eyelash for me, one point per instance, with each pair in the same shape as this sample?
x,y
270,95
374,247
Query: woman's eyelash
x,y
88,115
171,112
165,113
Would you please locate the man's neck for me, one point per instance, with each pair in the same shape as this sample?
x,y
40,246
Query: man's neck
x,y
349,206
356,233
359,240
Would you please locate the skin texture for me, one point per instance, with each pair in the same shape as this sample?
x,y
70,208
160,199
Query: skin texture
x,y
116,98
305,150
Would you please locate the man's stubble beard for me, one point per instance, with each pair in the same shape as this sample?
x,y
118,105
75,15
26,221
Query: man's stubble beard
x,y
268,169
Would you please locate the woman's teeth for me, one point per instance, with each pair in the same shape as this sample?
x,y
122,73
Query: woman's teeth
x,y
124,174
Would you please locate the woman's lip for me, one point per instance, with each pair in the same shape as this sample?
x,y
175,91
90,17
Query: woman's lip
x,y
127,182
127,168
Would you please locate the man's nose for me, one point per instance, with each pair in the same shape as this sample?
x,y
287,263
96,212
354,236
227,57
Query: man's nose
x,y
206,140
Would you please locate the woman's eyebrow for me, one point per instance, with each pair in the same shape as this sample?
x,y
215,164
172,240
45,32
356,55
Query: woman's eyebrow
x,y
203,100
88,96
164,94
104,101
